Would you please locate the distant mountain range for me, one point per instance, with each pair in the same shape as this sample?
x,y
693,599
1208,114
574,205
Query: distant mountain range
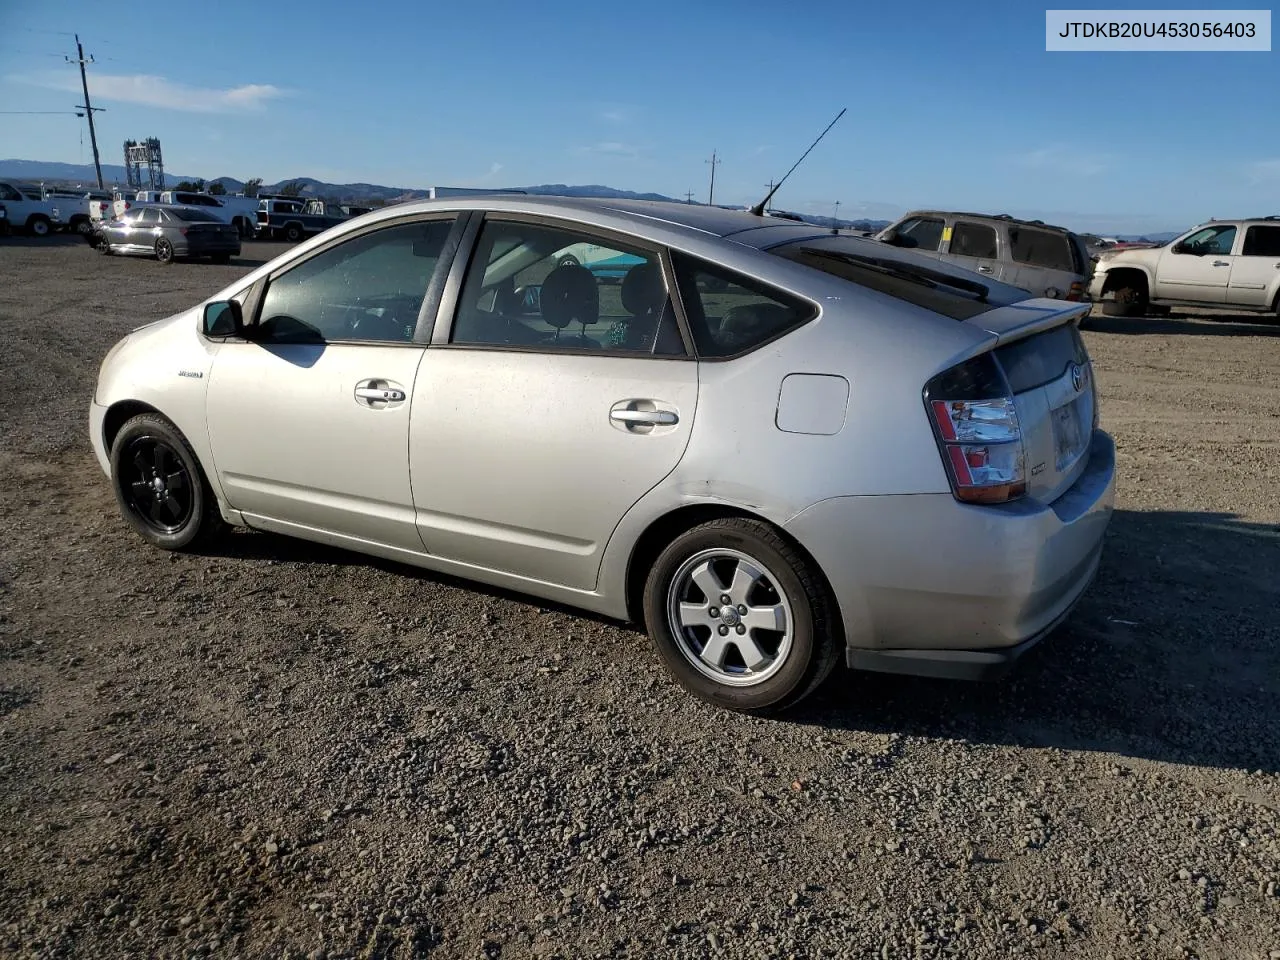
x,y
357,193
114,174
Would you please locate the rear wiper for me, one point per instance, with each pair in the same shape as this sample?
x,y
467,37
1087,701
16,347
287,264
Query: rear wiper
x,y
911,272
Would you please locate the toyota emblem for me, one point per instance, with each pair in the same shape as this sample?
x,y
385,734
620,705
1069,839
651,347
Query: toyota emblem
x,y
1079,377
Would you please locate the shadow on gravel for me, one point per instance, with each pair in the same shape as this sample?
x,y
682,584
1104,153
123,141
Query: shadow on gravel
x,y
53,240
1174,655
1217,325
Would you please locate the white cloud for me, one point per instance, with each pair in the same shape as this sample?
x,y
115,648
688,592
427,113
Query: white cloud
x,y
1263,171
156,91
1060,158
612,148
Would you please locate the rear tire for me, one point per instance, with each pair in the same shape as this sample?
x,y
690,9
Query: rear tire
x,y
164,251
159,486
293,233
718,652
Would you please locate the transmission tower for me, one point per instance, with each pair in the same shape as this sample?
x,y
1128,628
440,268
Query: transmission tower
x,y
136,153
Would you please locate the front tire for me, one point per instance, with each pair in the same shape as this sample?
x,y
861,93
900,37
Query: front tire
x,y
39,226
159,486
769,644
1128,301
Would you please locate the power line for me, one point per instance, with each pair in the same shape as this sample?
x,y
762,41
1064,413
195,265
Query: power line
x,y
88,107
77,113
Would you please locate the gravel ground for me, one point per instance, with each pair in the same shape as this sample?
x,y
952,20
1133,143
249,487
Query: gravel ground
x,y
278,749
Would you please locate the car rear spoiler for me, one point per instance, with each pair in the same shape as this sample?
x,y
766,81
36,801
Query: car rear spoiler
x,y
1016,321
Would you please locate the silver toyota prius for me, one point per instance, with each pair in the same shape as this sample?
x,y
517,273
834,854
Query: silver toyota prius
x,y
770,445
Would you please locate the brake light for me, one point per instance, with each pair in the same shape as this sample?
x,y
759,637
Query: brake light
x,y
975,422
1076,292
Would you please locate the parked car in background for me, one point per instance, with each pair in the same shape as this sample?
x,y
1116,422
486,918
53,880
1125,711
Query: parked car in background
x,y
295,219
239,211
169,233
1046,260
1222,263
29,209
74,206
847,450
4,221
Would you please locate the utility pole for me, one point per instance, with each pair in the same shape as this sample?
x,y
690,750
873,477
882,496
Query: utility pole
x,y
835,217
88,107
770,187
711,196
688,196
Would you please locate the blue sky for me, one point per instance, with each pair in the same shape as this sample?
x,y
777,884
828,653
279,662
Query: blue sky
x,y
950,104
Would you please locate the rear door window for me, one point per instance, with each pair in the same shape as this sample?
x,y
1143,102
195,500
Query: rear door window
x,y
730,314
1261,242
974,240
1041,248
919,233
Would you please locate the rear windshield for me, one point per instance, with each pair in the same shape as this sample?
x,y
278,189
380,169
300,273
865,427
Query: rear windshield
x,y
1042,248
195,216
924,286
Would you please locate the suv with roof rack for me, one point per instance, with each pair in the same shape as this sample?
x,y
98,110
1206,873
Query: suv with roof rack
x,y
1222,263
1046,260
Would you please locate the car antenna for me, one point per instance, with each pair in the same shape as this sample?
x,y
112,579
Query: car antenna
x,y
758,209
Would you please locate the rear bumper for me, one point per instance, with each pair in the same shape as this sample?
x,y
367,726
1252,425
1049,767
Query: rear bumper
x,y
927,585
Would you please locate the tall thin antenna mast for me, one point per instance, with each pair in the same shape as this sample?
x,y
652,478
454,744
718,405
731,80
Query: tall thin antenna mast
x,y
758,209
88,107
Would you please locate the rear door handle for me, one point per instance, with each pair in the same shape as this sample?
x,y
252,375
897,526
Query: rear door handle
x,y
645,417
984,269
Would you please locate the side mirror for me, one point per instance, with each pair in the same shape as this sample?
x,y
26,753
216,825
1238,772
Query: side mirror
x,y
888,235
223,319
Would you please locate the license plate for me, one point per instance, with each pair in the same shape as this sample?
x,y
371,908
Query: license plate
x,y
1066,434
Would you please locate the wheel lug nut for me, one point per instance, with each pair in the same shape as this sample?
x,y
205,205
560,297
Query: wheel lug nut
x,y
741,628
742,609
714,611
723,630
726,599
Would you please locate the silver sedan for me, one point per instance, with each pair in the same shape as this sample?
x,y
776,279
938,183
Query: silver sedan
x,y
774,447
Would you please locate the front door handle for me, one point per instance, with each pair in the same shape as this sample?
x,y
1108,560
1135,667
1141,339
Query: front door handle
x,y
651,418
1222,263
379,393
984,269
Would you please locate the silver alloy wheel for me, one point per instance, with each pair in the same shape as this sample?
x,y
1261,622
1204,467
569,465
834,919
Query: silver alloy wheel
x,y
729,617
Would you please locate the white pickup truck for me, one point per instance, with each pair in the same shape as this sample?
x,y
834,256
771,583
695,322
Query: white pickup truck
x,y
1233,264
29,208
242,212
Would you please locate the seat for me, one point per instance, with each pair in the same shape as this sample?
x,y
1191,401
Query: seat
x,y
570,295
644,296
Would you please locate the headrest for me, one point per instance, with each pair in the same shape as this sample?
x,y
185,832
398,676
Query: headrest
x,y
643,289
570,295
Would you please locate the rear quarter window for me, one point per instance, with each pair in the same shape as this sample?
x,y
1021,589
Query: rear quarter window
x,y
1041,248
731,314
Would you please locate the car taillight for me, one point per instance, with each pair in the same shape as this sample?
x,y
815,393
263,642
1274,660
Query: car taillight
x,y
1076,292
975,422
